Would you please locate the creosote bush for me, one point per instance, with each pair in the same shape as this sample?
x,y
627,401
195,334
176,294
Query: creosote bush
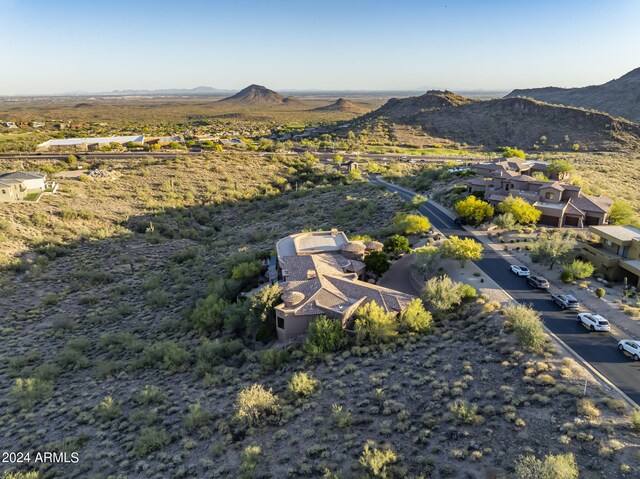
x,y
443,294
374,324
324,336
303,384
560,466
254,403
375,460
527,326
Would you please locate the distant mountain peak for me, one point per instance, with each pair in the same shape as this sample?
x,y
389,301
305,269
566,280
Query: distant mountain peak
x,y
257,95
341,104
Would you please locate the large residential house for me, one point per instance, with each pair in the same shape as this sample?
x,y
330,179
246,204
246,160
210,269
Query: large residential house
x,y
616,254
16,186
88,144
321,275
560,204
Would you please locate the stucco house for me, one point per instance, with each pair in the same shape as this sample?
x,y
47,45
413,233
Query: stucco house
x,y
88,144
16,186
616,253
321,275
561,204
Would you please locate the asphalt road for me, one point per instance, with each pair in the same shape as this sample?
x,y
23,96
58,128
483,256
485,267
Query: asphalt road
x,y
598,349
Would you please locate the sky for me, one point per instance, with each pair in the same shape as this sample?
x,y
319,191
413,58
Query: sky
x,y
66,46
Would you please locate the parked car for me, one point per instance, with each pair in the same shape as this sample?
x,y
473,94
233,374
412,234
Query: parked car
x,y
538,282
520,270
631,347
460,221
594,322
565,301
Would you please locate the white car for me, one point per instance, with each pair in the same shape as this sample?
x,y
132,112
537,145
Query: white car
x,y
631,347
594,322
520,270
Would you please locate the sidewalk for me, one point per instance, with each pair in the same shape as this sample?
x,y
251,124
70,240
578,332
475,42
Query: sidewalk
x,y
623,326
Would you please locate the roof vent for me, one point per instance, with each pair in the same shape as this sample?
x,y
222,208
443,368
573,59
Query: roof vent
x,y
291,298
311,273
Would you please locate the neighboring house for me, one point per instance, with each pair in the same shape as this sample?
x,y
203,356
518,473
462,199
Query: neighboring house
x,y
515,165
560,204
9,124
616,254
164,141
16,186
84,144
321,274
349,166
37,124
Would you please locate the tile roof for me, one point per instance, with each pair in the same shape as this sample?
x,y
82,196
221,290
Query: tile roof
x,y
21,176
599,204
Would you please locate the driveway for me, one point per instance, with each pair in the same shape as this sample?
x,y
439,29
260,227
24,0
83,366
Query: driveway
x,y
399,276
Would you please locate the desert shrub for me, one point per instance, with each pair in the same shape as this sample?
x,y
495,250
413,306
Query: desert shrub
x,y
587,408
213,353
151,395
70,358
303,384
600,292
324,336
209,314
20,475
634,419
254,403
426,259
150,439
246,271
377,263
273,359
27,392
463,412
560,466
341,417
119,343
415,318
580,269
397,244
461,249
107,410
250,457
527,326
406,224
196,417
165,355
374,324
376,460
443,294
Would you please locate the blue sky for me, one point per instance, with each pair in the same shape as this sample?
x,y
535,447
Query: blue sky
x,y
69,45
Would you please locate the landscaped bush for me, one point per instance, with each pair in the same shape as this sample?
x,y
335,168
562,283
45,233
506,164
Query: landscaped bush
x,y
415,318
165,355
579,269
600,292
374,324
375,460
566,276
443,294
561,466
303,384
397,244
527,326
406,224
324,336
254,403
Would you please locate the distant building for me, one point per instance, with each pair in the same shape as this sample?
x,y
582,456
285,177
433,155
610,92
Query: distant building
x,y
9,124
84,144
16,186
560,204
37,124
164,140
321,273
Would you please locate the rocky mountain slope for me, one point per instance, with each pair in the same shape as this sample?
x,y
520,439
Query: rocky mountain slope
x,y
520,122
258,95
342,105
619,97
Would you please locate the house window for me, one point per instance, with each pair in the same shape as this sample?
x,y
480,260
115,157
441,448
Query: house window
x,y
548,195
4,192
609,243
280,322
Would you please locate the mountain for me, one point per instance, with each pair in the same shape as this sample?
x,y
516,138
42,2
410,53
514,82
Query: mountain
x,y
519,122
342,105
620,97
257,95
201,90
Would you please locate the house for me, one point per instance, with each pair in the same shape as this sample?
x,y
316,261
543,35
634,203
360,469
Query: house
x,y
9,124
616,253
516,165
561,204
164,140
37,124
16,186
321,275
84,144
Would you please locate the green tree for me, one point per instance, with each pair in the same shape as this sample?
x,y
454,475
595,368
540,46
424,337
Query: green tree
x,y
509,152
410,224
417,200
622,213
527,326
261,323
337,160
443,294
474,209
246,270
374,324
426,259
461,249
554,247
397,244
560,168
324,336
506,221
523,213
416,318
377,263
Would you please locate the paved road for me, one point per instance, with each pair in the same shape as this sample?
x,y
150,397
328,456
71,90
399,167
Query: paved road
x,y
598,349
